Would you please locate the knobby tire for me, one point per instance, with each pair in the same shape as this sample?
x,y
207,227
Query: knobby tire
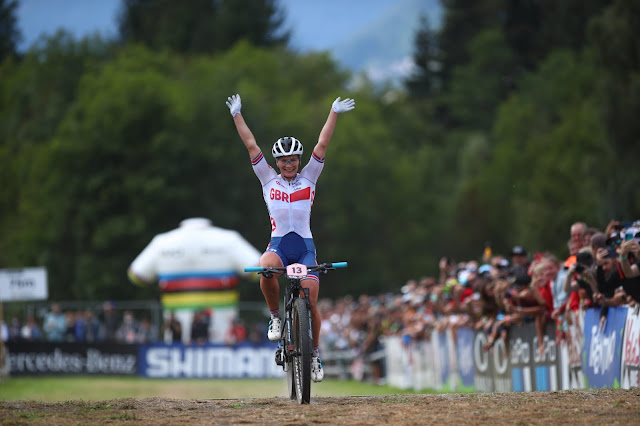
x,y
302,343
291,379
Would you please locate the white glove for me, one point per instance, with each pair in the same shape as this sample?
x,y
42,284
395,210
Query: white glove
x,y
235,104
343,106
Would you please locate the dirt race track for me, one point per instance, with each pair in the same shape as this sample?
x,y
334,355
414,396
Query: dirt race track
x,y
603,406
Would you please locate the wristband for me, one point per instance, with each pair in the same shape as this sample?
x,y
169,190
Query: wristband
x,y
623,257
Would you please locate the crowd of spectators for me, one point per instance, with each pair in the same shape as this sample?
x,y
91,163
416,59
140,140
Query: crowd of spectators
x,y
83,326
488,294
494,292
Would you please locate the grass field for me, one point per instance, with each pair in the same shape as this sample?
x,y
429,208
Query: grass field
x,y
89,388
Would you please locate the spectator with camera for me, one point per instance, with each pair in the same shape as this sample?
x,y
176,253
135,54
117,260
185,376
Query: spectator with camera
x,y
580,283
609,277
628,261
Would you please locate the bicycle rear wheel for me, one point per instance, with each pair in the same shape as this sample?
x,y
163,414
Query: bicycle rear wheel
x,y
301,335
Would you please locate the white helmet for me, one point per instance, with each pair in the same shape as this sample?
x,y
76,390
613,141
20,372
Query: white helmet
x,y
286,146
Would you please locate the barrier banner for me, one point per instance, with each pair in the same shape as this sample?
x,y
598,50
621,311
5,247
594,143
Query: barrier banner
x,y
499,358
395,362
423,366
442,359
534,364
631,351
483,367
601,354
464,349
208,361
574,343
36,358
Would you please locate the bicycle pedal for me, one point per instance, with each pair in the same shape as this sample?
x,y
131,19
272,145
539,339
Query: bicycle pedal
x,y
279,357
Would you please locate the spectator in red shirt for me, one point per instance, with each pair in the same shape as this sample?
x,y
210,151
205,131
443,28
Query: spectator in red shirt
x,y
542,285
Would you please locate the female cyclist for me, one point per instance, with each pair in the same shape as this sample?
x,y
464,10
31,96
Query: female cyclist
x,y
289,197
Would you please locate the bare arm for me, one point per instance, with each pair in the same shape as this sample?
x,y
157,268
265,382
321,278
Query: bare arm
x,y
326,133
246,136
320,149
235,105
568,279
628,269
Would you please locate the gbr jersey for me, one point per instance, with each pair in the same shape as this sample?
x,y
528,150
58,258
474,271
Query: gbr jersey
x,y
289,203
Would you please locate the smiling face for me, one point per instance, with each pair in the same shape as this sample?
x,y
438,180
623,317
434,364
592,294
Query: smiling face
x,y
288,166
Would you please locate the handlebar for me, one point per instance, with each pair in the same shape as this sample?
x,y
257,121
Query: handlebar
x,y
322,267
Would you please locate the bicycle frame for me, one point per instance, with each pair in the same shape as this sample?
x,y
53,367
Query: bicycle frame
x,y
294,346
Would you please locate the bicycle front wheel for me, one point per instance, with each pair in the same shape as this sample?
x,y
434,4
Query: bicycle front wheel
x,y
291,380
302,355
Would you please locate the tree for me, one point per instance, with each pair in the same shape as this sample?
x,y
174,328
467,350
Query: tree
x,y
462,21
201,26
613,35
10,35
551,159
479,86
425,80
36,94
536,28
261,22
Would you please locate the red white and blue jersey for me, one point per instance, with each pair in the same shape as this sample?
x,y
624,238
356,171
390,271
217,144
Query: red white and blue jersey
x,y
289,203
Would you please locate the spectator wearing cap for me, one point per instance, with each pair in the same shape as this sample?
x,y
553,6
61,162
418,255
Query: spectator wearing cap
x,y
499,267
519,257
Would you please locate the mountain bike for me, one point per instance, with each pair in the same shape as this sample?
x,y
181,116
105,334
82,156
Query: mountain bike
x,y
295,344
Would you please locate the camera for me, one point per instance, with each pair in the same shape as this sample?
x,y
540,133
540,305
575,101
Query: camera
x,y
583,261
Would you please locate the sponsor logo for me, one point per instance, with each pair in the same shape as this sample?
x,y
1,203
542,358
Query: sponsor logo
x,y
209,362
549,352
60,361
632,344
602,351
520,352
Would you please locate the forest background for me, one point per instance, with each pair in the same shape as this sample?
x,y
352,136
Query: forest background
x,y
521,117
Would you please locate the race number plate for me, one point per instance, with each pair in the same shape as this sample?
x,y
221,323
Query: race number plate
x,y
296,270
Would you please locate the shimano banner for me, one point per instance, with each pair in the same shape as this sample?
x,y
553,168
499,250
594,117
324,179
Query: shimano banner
x,y
209,361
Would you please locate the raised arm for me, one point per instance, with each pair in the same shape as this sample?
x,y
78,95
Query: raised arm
x,y
235,105
337,107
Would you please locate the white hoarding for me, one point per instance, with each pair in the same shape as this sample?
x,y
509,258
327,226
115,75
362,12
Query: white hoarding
x,y
23,284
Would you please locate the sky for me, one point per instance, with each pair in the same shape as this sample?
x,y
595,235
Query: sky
x,y
345,28
316,25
